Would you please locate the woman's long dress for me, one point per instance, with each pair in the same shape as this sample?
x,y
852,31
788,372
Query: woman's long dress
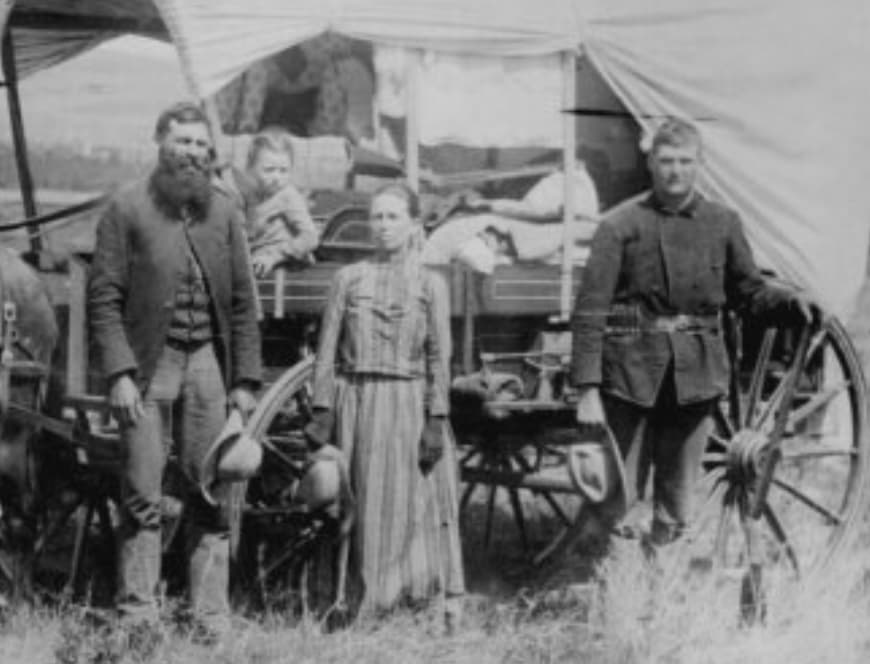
x,y
383,365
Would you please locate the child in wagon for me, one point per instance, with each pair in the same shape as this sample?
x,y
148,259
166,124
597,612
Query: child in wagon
x,y
278,224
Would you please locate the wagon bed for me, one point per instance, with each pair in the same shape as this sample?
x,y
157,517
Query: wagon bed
x,y
521,289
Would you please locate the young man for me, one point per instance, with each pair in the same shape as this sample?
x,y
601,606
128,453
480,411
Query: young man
x,y
172,315
671,260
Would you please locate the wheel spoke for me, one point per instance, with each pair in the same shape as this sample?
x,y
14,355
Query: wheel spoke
x,y
779,532
799,495
519,518
774,401
490,508
7,566
466,496
818,454
759,374
713,458
724,423
527,467
720,544
514,495
557,509
473,452
816,343
816,403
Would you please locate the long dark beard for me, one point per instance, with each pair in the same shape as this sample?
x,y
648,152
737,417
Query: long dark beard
x,y
182,184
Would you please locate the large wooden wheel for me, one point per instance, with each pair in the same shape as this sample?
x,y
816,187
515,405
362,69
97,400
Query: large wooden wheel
x,y
514,459
782,478
784,473
272,536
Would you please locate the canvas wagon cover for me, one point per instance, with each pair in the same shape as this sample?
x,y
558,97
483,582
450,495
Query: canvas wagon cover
x,y
778,88
46,32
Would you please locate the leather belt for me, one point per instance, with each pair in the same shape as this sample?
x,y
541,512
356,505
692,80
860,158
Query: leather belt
x,y
188,346
621,321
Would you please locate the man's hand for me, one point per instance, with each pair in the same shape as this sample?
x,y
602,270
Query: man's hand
x,y
590,411
809,311
242,399
125,400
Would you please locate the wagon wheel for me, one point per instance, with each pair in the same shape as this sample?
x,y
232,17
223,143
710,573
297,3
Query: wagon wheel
x,y
76,546
518,466
783,473
271,538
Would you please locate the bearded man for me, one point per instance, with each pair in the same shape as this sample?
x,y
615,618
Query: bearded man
x,y
173,318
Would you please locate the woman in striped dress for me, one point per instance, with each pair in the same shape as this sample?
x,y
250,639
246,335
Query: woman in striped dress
x,y
381,384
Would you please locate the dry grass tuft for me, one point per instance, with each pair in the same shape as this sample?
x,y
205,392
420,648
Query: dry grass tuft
x,y
626,615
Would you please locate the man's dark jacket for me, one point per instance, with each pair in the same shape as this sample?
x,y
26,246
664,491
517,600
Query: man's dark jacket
x,y
139,256
663,263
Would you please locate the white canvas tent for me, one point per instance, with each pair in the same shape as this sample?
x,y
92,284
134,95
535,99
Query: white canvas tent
x,y
778,88
783,87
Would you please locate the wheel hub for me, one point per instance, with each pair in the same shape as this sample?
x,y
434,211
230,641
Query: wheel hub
x,y
745,453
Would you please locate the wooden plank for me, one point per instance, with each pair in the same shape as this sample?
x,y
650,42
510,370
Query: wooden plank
x,y
569,141
77,334
412,118
533,481
512,290
280,275
517,290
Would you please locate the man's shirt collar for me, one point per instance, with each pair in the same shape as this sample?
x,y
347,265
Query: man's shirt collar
x,y
689,207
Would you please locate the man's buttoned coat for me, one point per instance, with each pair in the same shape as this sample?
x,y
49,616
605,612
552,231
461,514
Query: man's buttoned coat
x,y
656,263
140,254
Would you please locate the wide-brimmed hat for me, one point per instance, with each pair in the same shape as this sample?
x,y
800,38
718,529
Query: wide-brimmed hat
x,y
320,485
325,485
596,469
234,456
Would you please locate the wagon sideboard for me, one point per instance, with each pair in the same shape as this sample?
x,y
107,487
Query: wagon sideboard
x,y
513,290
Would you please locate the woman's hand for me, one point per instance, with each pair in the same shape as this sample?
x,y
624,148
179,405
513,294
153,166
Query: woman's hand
x,y
431,443
318,432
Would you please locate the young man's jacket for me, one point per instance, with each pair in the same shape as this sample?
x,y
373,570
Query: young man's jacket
x,y
140,252
655,264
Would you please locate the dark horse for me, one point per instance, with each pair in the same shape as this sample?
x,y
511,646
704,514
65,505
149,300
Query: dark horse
x,y
28,336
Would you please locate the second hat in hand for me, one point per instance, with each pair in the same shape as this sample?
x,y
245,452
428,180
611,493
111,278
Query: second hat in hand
x,y
234,456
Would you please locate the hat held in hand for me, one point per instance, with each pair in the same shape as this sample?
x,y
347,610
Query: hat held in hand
x,y
320,485
596,469
234,456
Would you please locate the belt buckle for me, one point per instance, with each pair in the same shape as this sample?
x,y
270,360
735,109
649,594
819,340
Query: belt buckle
x,y
680,323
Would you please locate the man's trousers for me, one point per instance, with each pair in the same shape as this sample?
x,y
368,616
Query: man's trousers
x,y
185,409
668,439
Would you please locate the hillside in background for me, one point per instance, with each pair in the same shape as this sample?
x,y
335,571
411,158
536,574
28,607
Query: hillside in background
x,y
107,97
89,121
